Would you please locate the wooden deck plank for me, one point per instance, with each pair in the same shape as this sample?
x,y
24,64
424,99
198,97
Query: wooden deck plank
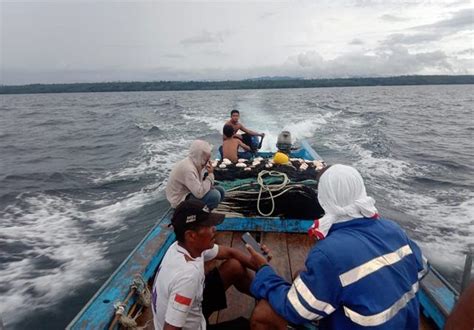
x,y
276,242
238,304
299,246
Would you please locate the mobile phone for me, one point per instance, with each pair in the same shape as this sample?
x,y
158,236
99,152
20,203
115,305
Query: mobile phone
x,y
248,239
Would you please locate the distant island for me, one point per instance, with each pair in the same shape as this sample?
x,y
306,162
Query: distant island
x,y
255,83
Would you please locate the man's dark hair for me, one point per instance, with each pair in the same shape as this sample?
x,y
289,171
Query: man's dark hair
x,y
234,111
180,234
228,131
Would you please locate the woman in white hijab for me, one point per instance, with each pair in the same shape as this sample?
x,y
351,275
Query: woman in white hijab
x,y
363,273
342,195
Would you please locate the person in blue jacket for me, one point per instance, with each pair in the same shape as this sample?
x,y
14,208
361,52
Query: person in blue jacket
x,y
362,273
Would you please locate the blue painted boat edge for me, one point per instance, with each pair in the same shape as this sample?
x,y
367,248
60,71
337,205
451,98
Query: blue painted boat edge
x,y
312,154
430,310
437,297
276,225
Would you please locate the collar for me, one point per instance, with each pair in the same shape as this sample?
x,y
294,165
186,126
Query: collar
x,y
182,250
353,222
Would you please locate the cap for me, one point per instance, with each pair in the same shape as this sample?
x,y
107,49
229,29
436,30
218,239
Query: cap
x,y
190,213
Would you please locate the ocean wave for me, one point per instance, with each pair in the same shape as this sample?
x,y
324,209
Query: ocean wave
x,y
50,228
156,157
150,128
124,104
329,107
53,122
381,168
214,123
112,214
5,135
445,229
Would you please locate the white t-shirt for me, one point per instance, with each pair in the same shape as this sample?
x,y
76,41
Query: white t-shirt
x,y
178,289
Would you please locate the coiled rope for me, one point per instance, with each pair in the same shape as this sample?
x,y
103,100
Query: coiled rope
x,y
269,188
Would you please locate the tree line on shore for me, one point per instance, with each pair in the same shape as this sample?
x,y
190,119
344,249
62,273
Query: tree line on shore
x,y
263,83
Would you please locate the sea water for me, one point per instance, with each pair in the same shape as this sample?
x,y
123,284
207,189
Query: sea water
x,y
82,176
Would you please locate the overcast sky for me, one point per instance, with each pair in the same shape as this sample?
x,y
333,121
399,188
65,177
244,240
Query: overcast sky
x,y
92,41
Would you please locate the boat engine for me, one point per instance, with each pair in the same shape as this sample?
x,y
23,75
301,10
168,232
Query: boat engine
x,y
284,142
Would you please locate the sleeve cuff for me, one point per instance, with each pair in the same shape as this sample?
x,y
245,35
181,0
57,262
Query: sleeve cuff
x,y
262,266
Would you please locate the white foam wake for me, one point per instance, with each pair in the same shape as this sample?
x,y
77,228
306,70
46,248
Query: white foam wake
x,y
156,157
300,126
48,229
446,231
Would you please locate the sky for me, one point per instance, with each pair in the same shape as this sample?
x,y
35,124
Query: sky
x,y
95,41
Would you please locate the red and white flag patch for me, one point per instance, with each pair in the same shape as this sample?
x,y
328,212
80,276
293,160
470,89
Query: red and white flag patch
x,y
182,303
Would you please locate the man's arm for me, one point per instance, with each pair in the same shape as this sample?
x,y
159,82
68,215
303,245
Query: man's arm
x,y
244,146
183,291
231,253
249,131
197,187
312,296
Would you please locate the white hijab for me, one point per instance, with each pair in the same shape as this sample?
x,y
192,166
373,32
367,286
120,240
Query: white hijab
x,y
342,195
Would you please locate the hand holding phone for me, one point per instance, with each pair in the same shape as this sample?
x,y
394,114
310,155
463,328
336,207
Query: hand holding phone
x,y
209,167
248,239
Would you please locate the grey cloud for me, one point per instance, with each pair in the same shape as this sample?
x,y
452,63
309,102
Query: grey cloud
x,y
126,45
297,46
384,3
409,39
393,18
266,15
458,3
396,61
387,62
310,59
179,56
214,52
460,21
468,52
356,42
205,37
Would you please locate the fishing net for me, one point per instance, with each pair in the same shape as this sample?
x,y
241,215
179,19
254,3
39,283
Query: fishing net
x,y
285,191
294,169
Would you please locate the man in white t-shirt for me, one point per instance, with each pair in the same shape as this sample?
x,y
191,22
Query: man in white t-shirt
x,y
183,295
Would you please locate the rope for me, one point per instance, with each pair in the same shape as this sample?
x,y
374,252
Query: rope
x,y
139,287
270,188
144,295
125,321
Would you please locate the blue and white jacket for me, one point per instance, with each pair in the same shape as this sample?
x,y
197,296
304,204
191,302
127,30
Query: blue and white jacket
x,y
364,274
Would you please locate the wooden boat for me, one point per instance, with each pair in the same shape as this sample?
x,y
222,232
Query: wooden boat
x,y
288,240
